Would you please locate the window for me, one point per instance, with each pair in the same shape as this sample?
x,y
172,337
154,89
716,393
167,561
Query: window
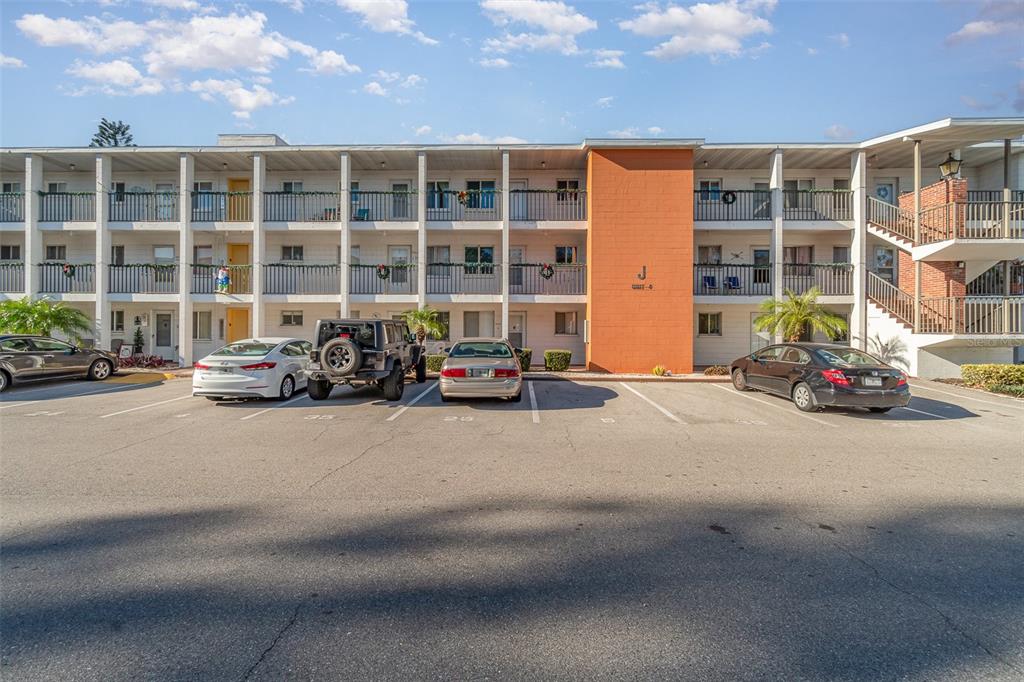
x,y
437,194
841,184
805,184
445,318
478,323
291,318
709,324
710,190
202,255
11,187
56,187
436,256
15,346
291,186
768,354
353,256
481,350
117,320
51,345
56,252
163,255
763,269
354,314
10,252
481,194
801,255
565,255
201,324
565,324
795,355
479,260
291,253
204,186
119,190
567,190
709,255
840,254
792,193
117,254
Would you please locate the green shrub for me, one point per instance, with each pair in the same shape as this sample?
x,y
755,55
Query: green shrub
x,y
525,356
659,370
716,371
434,362
987,376
557,360
1015,391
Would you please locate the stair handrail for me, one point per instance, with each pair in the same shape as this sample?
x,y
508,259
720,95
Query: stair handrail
x,y
891,298
891,217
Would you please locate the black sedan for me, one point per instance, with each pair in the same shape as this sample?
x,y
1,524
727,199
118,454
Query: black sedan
x,y
819,375
25,358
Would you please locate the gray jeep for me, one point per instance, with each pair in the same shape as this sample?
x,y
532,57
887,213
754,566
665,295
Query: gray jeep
x,y
364,352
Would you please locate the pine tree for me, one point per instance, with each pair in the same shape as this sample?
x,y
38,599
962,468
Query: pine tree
x,y
113,134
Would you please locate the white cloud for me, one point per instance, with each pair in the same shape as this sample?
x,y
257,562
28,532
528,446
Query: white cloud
x,y
995,17
625,133
329,62
413,80
713,29
554,25
242,100
293,5
495,63
655,130
812,51
7,62
90,33
423,130
841,39
116,77
188,5
386,16
477,138
838,132
387,76
607,59
605,102
375,88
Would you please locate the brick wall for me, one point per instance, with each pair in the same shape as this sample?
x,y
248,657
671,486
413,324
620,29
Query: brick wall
x,y
939,278
641,214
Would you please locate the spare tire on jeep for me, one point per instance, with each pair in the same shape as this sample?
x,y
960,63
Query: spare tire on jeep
x,y
341,357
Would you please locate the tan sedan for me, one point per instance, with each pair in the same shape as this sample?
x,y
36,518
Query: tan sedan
x,y
481,368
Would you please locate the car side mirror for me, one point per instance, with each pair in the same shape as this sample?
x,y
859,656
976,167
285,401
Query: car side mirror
x,y
448,350
517,350
73,350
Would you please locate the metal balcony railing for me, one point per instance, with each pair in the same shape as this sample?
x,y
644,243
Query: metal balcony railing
x,y
205,279
67,206
12,277
732,204
143,206
817,204
12,207
221,206
464,278
831,279
300,206
143,278
450,205
294,278
548,279
545,204
732,280
67,278
384,206
382,279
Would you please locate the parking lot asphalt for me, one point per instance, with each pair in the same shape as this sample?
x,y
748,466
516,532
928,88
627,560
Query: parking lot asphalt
x,y
603,530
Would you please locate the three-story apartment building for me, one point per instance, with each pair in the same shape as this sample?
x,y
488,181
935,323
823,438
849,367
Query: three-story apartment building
x,y
629,253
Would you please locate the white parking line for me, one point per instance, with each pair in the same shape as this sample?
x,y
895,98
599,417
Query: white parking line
x,y
412,402
656,406
967,397
790,411
73,395
145,407
533,403
930,414
273,407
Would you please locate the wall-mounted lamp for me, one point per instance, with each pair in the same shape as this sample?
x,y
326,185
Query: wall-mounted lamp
x,y
960,264
225,165
382,164
705,163
950,167
543,164
71,166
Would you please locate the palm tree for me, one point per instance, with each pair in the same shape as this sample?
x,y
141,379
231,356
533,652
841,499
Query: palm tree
x,y
892,351
795,313
426,321
42,317
112,134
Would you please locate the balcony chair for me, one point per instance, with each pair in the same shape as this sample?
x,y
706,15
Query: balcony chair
x,y
709,282
732,282
361,214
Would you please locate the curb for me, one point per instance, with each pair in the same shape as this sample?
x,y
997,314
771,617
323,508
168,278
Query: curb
x,y
629,378
140,378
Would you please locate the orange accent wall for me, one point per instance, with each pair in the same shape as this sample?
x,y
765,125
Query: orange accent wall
x,y
640,208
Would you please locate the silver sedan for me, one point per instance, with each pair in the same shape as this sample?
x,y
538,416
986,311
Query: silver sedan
x,y
481,368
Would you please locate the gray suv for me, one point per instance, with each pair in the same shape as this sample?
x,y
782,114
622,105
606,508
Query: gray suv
x,y
25,358
358,352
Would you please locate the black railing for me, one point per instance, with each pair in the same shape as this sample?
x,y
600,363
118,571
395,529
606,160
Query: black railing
x,y
393,206
449,205
544,204
825,204
154,207
143,278
993,195
67,278
12,207
300,206
207,279
382,279
550,279
291,278
221,206
12,277
67,206
732,280
832,279
732,204
463,278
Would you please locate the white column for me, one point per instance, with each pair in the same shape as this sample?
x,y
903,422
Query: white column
x,y
917,233
33,237
1006,196
104,173
421,228
186,176
259,243
344,213
859,250
776,185
505,240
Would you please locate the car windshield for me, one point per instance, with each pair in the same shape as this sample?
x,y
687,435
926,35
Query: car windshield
x,y
481,350
247,349
847,357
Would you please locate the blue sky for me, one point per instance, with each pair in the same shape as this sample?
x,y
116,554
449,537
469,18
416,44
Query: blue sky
x,y
387,71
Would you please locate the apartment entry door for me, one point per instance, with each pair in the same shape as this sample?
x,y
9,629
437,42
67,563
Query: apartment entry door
x,y
885,190
517,329
517,208
163,344
401,256
239,206
516,256
238,254
238,324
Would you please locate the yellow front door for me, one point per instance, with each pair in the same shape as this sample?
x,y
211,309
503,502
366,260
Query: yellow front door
x,y
238,255
238,324
239,205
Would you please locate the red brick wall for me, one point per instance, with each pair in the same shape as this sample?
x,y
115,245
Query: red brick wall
x,y
940,278
641,214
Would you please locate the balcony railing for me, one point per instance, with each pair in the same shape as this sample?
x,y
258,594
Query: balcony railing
x,y
828,204
12,277
890,297
300,206
221,206
143,278
294,278
12,207
832,279
993,195
544,204
67,278
553,280
972,315
67,206
206,279
157,207
450,205
382,279
732,280
386,206
464,278
958,220
732,204
891,217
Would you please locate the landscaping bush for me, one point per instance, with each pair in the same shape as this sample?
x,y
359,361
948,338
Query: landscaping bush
x,y
525,356
557,360
1015,391
434,362
987,376
659,370
716,371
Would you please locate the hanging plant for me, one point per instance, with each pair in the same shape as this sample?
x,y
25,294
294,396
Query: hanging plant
x,y
463,197
547,271
68,269
383,271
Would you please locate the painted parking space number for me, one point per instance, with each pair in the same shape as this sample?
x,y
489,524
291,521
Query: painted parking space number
x,y
751,422
318,417
458,419
607,420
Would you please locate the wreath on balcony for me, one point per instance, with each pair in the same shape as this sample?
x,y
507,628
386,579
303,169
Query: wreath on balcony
x,y
547,271
463,197
729,198
383,271
68,269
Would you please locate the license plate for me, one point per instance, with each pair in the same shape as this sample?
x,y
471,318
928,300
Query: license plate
x,y
481,373
872,381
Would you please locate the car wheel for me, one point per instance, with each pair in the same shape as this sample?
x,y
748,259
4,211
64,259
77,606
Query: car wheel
x,y
287,388
517,398
341,357
100,370
5,381
739,380
394,384
446,399
803,398
319,389
421,369
879,410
